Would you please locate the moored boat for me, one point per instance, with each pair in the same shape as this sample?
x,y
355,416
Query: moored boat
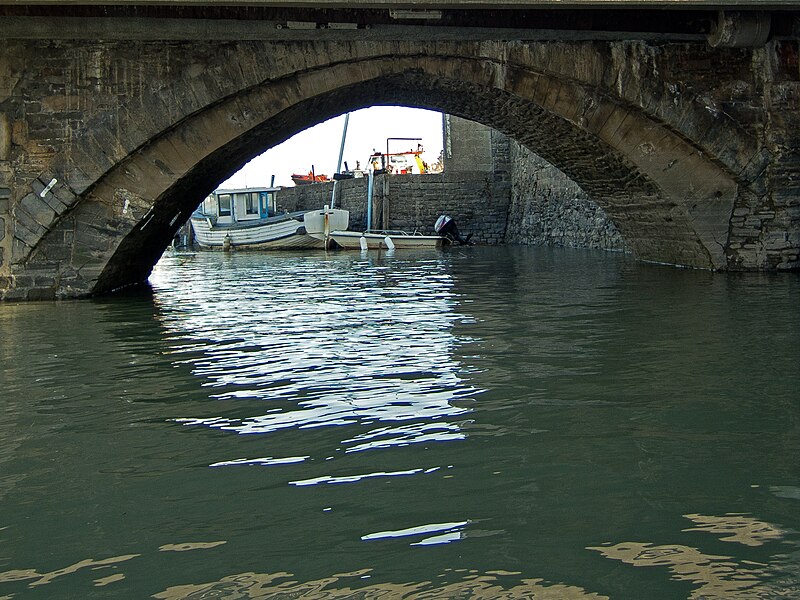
x,y
368,240
309,178
376,239
245,218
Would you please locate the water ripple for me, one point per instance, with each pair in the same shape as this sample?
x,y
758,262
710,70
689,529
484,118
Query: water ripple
x,y
355,478
320,343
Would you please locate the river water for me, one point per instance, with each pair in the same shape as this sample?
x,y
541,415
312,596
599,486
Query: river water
x,y
476,422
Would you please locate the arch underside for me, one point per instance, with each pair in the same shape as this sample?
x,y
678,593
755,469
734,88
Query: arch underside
x,y
149,194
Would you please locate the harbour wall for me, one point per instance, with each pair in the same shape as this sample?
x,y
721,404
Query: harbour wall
x,y
493,187
412,203
547,208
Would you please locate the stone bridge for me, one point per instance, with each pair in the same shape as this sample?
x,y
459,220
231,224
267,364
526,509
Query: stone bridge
x,y
115,124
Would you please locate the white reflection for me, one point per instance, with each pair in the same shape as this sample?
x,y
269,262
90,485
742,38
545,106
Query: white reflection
x,y
385,437
354,478
418,530
446,538
331,340
265,462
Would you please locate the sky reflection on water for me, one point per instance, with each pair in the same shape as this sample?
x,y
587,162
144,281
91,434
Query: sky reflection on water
x,y
340,342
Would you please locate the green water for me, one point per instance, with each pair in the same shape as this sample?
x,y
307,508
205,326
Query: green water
x,y
473,423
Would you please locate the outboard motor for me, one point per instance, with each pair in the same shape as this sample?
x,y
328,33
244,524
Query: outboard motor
x,y
447,228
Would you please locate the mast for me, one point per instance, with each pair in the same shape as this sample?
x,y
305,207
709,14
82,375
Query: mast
x,y
341,154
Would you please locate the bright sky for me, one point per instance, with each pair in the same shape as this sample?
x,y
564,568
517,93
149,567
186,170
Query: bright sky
x,y
319,145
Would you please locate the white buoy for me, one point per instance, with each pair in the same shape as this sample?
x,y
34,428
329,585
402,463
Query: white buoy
x,y
389,243
363,242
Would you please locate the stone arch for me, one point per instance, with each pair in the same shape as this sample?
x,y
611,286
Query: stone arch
x,y
622,155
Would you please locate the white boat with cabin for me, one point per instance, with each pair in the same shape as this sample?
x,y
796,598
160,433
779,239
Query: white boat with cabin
x,y
246,218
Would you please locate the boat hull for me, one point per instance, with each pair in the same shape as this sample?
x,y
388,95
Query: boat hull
x,y
286,234
351,240
319,223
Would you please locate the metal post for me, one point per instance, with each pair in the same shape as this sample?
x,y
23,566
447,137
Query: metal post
x,y
370,187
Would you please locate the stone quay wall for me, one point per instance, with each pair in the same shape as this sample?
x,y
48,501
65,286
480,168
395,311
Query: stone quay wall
x,y
547,208
493,187
412,203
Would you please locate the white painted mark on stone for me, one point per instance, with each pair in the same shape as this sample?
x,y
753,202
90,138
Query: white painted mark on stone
x,y
49,187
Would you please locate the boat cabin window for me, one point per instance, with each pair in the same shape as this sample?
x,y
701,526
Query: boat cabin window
x,y
224,205
270,203
251,203
209,205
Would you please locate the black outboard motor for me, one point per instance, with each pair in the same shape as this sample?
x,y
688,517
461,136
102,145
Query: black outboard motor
x,y
447,228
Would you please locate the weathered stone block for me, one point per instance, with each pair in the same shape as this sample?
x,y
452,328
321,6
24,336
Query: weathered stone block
x,y
39,210
13,294
19,250
41,294
27,230
38,185
49,253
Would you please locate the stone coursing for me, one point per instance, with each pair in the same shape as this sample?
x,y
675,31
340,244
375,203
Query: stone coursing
x,y
412,203
474,189
549,209
509,196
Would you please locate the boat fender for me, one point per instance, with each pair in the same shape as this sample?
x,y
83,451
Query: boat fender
x,y
363,242
389,243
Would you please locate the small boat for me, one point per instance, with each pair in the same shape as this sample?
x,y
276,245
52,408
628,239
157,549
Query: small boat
x,y
309,178
369,240
376,239
245,218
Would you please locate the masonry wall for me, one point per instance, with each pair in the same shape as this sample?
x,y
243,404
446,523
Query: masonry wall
x,y
475,189
493,187
547,208
412,203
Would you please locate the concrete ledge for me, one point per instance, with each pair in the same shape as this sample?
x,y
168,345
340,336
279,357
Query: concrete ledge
x,y
187,29
420,5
